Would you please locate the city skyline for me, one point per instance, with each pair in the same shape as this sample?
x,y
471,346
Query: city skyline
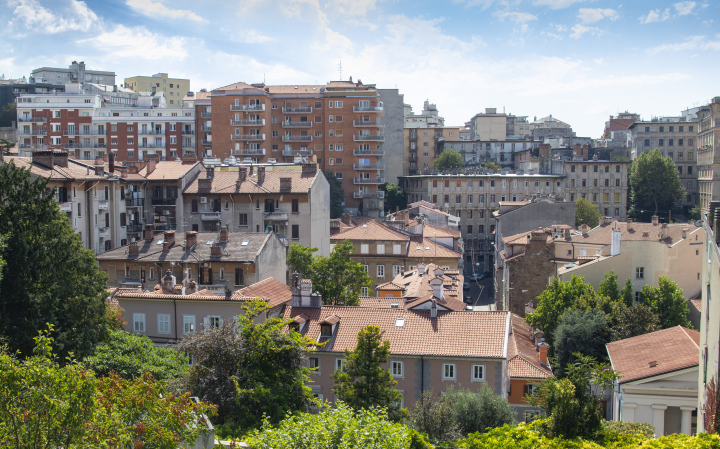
x,y
580,61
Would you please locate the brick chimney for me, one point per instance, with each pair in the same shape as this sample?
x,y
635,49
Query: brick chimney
x,y
543,353
567,233
665,230
285,184
60,158
204,184
309,167
99,160
151,165
133,249
345,218
577,150
168,281
261,174
584,229
99,170
655,220
191,288
190,239
224,234
210,172
123,173
242,174
149,232
585,152
168,240
216,250
544,150
43,157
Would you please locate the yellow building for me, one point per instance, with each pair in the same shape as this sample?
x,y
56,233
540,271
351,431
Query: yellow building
x,y
174,88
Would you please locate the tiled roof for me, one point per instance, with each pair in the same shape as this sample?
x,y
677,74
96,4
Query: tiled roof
x,y
226,182
380,302
421,203
523,361
417,285
436,231
270,290
425,247
462,334
234,86
168,170
74,170
602,234
449,302
202,295
370,230
390,286
655,353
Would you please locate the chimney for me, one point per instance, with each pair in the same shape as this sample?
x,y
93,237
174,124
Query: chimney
x,y
665,230
684,233
133,249
585,152
285,184
168,281
111,163
242,174
544,150
99,170
216,250
204,184
567,233
149,232
584,229
655,220
123,173
43,157
629,224
309,167
99,160
615,242
224,234
438,271
261,174
543,353
151,165
433,309
191,288
210,172
421,269
60,158
345,218
437,287
190,239
577,150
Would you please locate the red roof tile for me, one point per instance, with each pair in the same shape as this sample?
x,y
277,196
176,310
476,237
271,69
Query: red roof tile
x,y
370,230
523,360
270,290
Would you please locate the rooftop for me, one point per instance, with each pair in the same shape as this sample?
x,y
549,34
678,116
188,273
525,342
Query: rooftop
x,y
229,182
523,359
633,231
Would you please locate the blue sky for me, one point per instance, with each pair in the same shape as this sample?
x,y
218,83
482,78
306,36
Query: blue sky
x,y
579,60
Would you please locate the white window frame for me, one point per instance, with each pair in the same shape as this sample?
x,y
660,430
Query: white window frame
x,y
473,372
364,248
163,323
397,369
380,271
397,269
139,323
397,249
340,363
364,291
208,321
639,272
449,368
315,369
188,320
380,248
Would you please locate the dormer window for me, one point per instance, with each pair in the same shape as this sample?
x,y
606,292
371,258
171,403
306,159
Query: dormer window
x,y
295,327
326,330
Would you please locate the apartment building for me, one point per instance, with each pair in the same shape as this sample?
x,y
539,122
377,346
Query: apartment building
x,y
418,288
617,133
423,145
501,152
93,120
174,89
290,200
338,124
428,118
675,137
490,125
708,148
75,73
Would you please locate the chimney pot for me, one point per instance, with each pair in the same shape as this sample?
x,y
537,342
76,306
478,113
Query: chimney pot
x,y
133,249
190,239
542,353
216,250
149,232
151,163
261,174
191,288
224,234
655,220
285,184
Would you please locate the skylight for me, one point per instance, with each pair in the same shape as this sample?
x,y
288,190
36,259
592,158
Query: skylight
x,y
160,242
245,243
210,242
400,322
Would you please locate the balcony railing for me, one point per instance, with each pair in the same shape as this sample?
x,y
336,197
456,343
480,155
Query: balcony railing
x,y
206,142
297,138
260,122
276,216
33,146
36,132
247,107
206,129
71,132
84,146
150,145
372,124
369,166
206,115
32,119
363,137
189,154
65,207
359,152
236,137
134,202
150,132
292,124
164,201
188,132
248,152
303,110
368,109
412,136
134,228
104,232
210,216
189,145
297,153
379,194
368,180
103,205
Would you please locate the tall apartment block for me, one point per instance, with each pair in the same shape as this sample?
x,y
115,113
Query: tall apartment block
x,y
708,157
173,88
338,124
92,121
424,138
75,73
675,137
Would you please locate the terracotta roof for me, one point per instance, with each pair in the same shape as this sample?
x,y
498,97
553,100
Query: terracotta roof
x,y
381,302
523,360
655,353
203,295
419,248
226,182
619,124
390,286
436,231
449,302
370,230
168,170
421,203
417,285
697,303
74,170
462,334
234,86
514,203
602,234
269,290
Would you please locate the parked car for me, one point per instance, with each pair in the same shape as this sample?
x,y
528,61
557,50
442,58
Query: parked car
x,y
466,285
476,277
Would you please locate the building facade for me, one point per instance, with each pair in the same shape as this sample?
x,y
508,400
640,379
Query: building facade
x,y
423,145
708,158
75,73
174,89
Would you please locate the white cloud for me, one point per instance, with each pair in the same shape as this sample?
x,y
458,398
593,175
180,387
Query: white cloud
x,y
691,43
592,15
684,8
138,42
556,4
655,16
38,19
157,8
517,17
483,4
353,7
579,30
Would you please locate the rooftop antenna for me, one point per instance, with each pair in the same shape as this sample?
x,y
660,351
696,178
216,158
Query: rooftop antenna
x,y
340,69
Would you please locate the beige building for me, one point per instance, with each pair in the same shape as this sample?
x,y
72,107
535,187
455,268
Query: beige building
x,y
423,145
491,125
173,88
708,157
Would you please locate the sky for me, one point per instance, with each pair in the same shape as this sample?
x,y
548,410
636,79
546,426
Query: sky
x,y
579,60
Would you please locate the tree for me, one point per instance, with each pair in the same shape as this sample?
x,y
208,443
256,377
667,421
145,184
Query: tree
x,y
448,160
49,276
338,278
586,213
433,416
627,294
363,382
8,115
250,370
632,321
667,301
394,197
609,287
337,195
582,332
481,411
131,355
491,165
654,183
6,145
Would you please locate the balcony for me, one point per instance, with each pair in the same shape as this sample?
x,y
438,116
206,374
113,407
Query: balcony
x,y
253,122
242,137
188,132
33,146
305,152
210,216
412,137
36,132
134,228
103,205
369,124
164,201
71,132
90,132
297,139
247,107
205,115
368,109
276,216
84,146
65,207
379,194
150,132
292,124
368,180
206,129
303,110
365,137
32,119
134,202
378,152
248,152
206,142
151,145
104,232
189,154
369,166
188,145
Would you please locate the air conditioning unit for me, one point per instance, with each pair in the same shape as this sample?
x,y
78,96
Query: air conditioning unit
x,y
166,212
203,199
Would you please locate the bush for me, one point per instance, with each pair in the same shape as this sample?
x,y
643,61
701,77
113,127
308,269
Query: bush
x,y
433,416
478,412
630,428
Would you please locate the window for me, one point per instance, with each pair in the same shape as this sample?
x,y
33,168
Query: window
x,y
139,322
242,221
213,322
295,206
396,368
364,248
340,364
397,249
458,199
477,373
380,270
617,197
617,182
380,248
239,276
640,273
296,231
397,269
188,324
365,267
529,389
338,104
314,364
448,371
163,323
469,229
364,291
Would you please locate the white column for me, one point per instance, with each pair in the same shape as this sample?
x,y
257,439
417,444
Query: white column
x,y
659,419
686,421
628,412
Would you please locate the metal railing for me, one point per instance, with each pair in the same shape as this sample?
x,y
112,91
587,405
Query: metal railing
x,y
207,129
134,228
248,122
37,132
164,201
379,194
248,152
150,132
134,202
302,110
377,152
362,137
297,138
33,146
236,137
188,132
373,123
32,119
247,107
292,124
369,166
205,115
368,180
368,109
81,146
297,152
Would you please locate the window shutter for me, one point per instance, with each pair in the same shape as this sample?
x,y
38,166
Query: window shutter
x,y
221,321
206,322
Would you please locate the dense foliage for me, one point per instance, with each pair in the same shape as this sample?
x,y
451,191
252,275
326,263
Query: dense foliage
x,y
363,383
586,213
338,278
580,331
492,166
647,194
668,302
433,416
394,197
481,411
8,115
337,195
448,160
250,369
632,321
49,276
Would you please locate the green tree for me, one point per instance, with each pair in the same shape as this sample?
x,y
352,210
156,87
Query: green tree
x,y
394,197
338,278
337,195
627,293
49,276
131,355
647,193
448,160
609,287
586,213
6,145
433,416
667,302
580,332
481,411
491,165
8,115
363,382
632,321
250,370
695,212
300,259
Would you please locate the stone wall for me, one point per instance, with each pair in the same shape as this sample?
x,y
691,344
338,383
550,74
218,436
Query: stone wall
x,y
529,273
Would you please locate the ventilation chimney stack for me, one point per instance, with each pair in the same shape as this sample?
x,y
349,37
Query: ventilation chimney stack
x,y
149,232
190,239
